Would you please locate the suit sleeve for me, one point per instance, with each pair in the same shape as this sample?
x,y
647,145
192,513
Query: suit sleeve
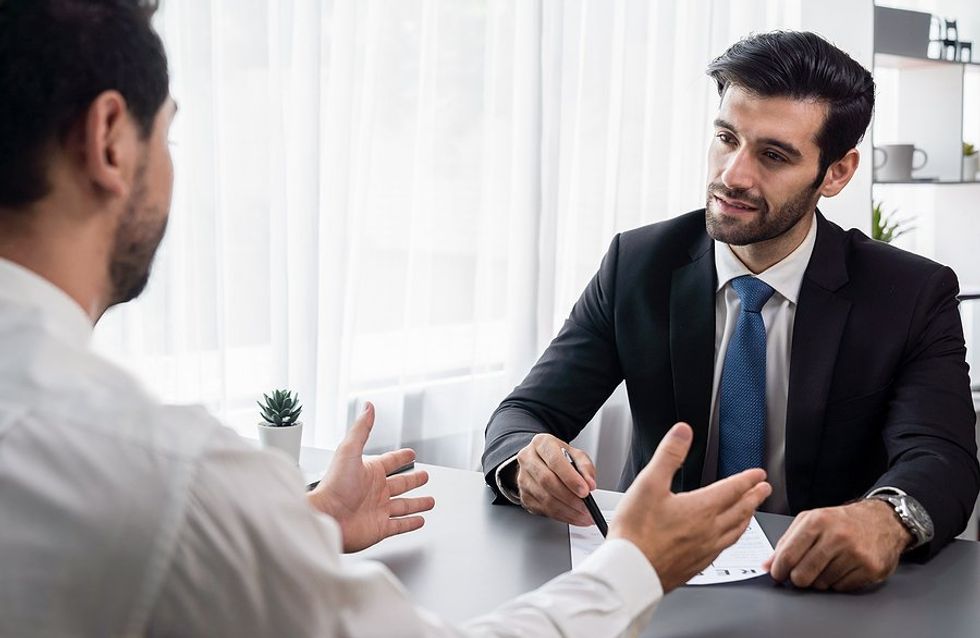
x,y
929,432
569,383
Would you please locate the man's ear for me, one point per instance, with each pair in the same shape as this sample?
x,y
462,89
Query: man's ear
x,y
110,144
840,173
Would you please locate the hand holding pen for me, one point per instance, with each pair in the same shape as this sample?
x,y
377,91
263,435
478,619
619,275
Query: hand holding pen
x,y
547,484
590,503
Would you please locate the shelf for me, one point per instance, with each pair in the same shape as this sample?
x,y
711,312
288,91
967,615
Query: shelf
x,y
892,61
945,182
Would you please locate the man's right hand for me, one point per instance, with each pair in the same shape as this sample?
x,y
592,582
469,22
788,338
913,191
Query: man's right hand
x,y
548,484
680,534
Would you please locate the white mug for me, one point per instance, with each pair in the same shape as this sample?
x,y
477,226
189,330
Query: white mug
x,y
896,164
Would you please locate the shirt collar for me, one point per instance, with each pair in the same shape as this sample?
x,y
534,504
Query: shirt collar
x,y
58,312
785,277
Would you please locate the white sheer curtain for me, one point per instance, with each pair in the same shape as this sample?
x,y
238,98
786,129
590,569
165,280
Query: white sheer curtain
x,y
399,200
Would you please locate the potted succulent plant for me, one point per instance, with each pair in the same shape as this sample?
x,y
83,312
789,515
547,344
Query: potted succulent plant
x,y
970,164
280,427
885,227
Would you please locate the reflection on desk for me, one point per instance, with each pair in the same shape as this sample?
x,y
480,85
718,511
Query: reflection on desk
x,y
472,556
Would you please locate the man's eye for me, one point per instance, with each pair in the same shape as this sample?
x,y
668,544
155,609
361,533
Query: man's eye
x,y
725,138
775,156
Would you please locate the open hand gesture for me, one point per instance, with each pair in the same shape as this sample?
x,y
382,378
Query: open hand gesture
x,y
359,494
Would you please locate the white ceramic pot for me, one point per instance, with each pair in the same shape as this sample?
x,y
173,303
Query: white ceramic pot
x,y
287,438
970,167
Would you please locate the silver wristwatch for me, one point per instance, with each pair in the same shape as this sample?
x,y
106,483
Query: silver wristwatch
x,y
912,515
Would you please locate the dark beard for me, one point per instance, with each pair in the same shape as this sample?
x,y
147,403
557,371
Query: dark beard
x,y
137,238
767,225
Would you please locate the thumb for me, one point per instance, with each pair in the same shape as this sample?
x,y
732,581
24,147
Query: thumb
x,y
585,466
669,456
358,434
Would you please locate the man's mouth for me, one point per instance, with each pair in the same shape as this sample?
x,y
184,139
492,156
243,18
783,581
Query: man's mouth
x,y
734,206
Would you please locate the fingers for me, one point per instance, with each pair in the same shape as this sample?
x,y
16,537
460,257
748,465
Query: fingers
x,y
731,533
405,506
358,434
792,547
542,492
585,466
725,493
812,564
401,483
835,571
758,494
835,548
392,461
737,516
732,523
549,485
668,457
549,449
853,580
556,509
403,525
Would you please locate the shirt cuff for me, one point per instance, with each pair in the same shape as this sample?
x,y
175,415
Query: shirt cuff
x,y
886,490
623,567
509,491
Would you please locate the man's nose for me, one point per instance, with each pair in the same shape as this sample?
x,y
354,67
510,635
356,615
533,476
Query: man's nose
x,y
739,172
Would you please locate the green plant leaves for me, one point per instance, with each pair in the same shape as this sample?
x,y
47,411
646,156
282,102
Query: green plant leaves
x,y
886,227
281,409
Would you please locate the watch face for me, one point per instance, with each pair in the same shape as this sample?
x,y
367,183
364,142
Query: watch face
x,y
920,516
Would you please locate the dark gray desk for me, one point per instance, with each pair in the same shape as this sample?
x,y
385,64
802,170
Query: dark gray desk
x,y
472,556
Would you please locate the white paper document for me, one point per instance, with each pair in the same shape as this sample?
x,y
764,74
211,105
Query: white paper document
x,y
741,561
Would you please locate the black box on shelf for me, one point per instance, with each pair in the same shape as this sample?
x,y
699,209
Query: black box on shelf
x,y
902,32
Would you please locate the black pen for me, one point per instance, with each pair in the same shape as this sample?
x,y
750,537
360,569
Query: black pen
x,y
590,504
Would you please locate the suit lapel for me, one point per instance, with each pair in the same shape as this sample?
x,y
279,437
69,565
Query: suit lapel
x,y
821,316
692,342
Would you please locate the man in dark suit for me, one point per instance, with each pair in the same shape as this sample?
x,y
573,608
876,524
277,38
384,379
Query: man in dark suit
x,y
835,362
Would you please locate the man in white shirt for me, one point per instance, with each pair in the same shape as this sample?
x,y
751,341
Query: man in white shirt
x,y
835,362
122,516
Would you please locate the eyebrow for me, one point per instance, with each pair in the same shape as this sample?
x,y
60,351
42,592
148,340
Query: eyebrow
x,y
786,147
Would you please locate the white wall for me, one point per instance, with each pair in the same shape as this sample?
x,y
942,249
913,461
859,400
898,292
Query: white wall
x,y
849,24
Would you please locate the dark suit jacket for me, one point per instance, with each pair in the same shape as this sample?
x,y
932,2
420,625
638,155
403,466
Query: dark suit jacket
x,y
878,390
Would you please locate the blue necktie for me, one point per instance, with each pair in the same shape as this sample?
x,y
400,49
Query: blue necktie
x,y
742,402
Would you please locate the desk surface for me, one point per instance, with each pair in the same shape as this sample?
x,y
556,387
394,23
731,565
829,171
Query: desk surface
x,y
472,556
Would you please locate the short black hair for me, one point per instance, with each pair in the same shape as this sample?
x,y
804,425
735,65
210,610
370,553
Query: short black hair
x,y
803,66
56,57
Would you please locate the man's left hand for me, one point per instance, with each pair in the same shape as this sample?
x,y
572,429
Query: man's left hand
x,y
358,493
842,548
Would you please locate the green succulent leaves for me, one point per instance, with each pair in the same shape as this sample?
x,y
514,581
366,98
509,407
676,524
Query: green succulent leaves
x,y
281,409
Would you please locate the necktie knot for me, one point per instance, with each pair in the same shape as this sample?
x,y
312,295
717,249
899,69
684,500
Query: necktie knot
x,y
753,292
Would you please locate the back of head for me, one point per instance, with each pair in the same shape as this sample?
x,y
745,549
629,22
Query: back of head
x,y
803,66
56,56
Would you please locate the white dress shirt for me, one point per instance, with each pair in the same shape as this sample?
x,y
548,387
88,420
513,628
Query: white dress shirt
x,y
122,516
778,315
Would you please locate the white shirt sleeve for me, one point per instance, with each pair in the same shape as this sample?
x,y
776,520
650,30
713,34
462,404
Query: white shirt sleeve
x,y
508,491
252,558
